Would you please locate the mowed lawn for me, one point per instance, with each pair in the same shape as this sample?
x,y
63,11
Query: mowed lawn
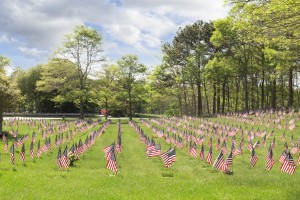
x,y
142,178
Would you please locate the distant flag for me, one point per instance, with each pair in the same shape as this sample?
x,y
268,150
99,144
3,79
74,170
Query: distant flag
x,y
273,143
264,141
299,159
288,164
154,152
12,154
209,156
64,158
6,145
218,144
58,158
108,150
253,158
119,144
224,148
237,151
250,147
202,152
229,159
256,144
270,159
192,149
38,151
31,150
295,149
112,163
283,156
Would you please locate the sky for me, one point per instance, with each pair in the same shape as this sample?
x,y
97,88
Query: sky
x,y
31,30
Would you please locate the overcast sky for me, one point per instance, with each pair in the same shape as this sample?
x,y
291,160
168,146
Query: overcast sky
x,y
31,30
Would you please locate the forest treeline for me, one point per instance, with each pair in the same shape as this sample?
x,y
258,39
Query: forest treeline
x,y
246,61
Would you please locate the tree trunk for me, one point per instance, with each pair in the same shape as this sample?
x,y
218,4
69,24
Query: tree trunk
x,y
218,98
185,100
228,97
246,92
223,95
199,98
214,98
81,108
180,104
274,95
194,105
1,122
106,108
205,93
291,92
130,109
263,85
282,92
237,94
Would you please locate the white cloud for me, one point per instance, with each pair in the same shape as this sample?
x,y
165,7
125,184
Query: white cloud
x,y
131,26
33,52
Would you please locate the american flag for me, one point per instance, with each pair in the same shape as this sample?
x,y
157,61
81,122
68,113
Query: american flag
x,y
218,144
224,148
108,150
229,159
119,144
219,162
192,149
209,156
288,164
295,149
264,141
169,157
22,153
31,150
253,158
6,145
112,163
38,151
250,147
12,154
256,144
202,152
58,158
64,158
155,152
270,159
283,156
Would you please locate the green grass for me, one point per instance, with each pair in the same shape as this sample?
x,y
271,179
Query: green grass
x,y
142,178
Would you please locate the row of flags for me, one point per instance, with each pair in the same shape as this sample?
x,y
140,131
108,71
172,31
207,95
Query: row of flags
x,y
223,164
153,149
111,150
39,148
62,159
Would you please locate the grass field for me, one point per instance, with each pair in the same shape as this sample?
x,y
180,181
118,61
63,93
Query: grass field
x,y
142,178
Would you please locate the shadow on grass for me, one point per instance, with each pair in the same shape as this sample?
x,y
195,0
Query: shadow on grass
x,y
167,175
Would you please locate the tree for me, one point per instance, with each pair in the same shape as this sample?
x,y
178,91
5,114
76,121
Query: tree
x,y
108,86
9,93
59,80
83,47
26,82
131,73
